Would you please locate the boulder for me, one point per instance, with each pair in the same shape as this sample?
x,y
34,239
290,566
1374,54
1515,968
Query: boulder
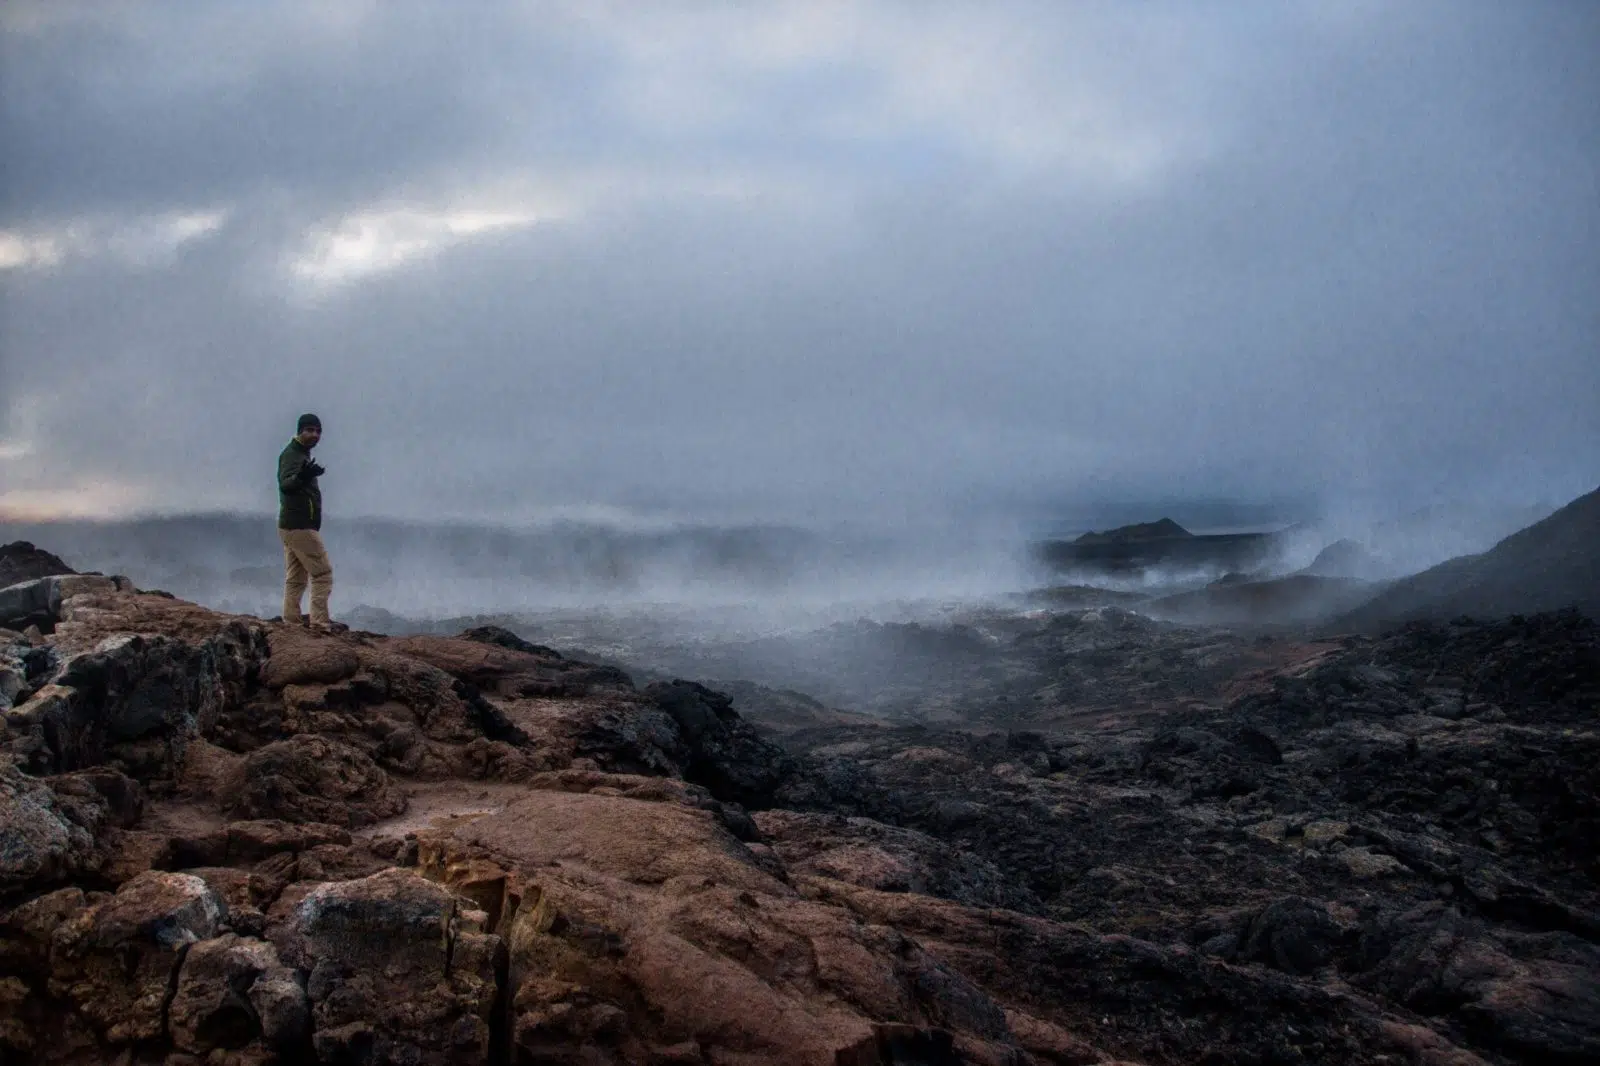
x,y
22,561
399,969
720,750
134,700
222,987
46,837
1293,934
252,840
245,892
30,603
311,778
26,931
24,666
43,603
115,963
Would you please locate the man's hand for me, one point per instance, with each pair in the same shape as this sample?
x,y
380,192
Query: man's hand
x,y
313,468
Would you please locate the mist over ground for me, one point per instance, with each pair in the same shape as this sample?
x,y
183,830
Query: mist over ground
x,y
723,579
431,571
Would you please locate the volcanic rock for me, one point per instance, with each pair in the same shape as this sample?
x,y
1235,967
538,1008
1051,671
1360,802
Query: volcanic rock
x,y
399,969
37,603
217,1002
311,778
116,961
608,903
21,561
720,750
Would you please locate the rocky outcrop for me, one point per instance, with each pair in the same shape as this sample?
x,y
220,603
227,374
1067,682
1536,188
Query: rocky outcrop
x,y
232,992
312,778
717,748
132,701
116,961
644,931
36,603
398,969
60,828
22,561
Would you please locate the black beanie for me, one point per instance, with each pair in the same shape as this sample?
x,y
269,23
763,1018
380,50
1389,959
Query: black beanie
x,y
308,420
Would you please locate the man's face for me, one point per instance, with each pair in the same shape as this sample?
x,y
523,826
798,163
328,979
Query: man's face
x,y
310,435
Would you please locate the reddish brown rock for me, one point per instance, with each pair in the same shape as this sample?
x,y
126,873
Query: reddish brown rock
x,y
299,657
26,931
133,852
252,840
43,838
314,779
217,1002
115,962
639,926
385,979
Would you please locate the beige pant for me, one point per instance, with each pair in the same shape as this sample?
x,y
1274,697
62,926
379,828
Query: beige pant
x,y
305,557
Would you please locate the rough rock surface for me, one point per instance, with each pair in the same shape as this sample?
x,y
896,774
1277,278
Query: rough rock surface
x,y
116,961
229,841
22,561
398,968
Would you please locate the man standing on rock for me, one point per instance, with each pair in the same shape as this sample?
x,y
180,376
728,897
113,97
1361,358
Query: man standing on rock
x,y
299,526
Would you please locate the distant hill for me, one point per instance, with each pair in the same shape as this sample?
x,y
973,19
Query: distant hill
x,y
1159,530
1552,564
1145,545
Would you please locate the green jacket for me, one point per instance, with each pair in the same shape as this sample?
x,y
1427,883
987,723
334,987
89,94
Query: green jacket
x,y
299,498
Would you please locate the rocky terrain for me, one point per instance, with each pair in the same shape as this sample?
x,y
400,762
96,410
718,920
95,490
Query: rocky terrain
x,y
980,666
231,841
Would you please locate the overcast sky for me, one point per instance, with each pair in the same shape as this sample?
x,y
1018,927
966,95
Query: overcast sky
x,y
798,260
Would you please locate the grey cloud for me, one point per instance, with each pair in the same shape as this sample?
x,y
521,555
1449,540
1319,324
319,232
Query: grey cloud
x,y
1367,270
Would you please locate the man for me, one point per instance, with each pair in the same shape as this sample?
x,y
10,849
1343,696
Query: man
x,y
299,526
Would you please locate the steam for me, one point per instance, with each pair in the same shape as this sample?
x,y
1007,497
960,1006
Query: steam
x,y
762,577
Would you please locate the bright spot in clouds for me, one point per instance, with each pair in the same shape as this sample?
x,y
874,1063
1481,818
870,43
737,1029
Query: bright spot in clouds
x,y
372,242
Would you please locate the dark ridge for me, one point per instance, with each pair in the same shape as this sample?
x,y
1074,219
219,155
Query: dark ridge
x,y
1549,566
1157,530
